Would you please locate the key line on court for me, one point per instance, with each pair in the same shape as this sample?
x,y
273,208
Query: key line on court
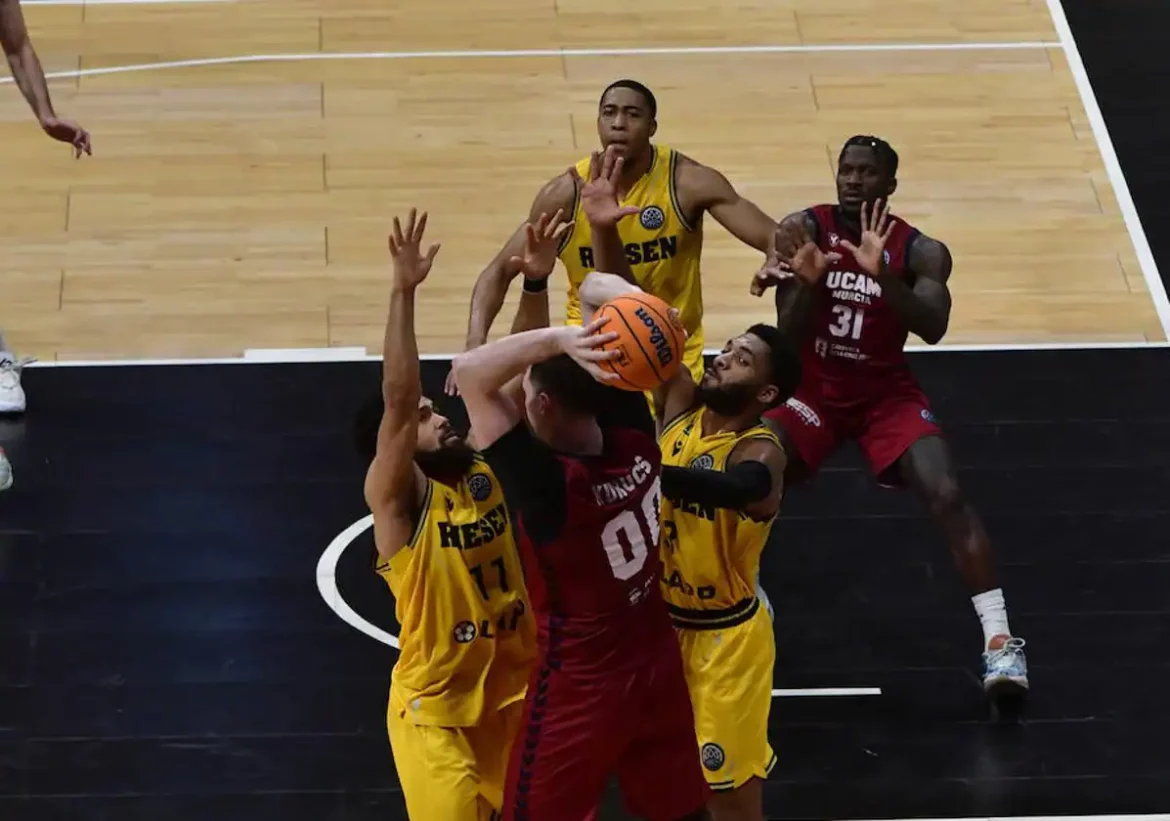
x,y
467,54
331,594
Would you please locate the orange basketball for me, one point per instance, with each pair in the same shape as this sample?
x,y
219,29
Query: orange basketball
x,y
649,344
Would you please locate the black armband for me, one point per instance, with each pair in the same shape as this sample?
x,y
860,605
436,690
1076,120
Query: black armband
x,y
735,488
535,286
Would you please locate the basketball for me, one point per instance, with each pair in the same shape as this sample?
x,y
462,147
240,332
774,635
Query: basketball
x,y
649,344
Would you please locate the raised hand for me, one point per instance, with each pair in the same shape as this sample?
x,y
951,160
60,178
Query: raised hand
x,y
794,254
67,131
875,232
599,198
583,344
541,242
410,266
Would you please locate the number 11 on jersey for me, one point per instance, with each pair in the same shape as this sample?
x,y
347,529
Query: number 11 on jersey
x,y
848,321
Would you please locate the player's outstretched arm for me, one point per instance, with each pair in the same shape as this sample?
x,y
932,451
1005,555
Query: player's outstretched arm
x,y
30,79
753,482
394,484
794,268
482,372
923,306
487,298
702,188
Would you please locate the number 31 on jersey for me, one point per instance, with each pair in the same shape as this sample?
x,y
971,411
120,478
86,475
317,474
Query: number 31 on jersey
x,y
847,322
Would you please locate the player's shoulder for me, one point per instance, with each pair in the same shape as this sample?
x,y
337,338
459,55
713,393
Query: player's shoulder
x,y
558,192
925,255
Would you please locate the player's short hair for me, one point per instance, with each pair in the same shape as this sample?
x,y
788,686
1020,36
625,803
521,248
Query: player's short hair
x,y
783,359
885,152
634,85
569,384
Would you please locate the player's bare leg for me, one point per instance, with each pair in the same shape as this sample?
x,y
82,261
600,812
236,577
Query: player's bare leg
x,y
927,468
745,803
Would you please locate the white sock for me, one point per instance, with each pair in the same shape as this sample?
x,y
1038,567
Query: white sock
x,y
992,614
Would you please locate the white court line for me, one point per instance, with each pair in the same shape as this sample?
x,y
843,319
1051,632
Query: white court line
x,y
1125,202
258,356
327,587
543,52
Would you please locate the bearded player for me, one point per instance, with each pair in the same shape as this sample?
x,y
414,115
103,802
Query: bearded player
x,y
863,280
581,467
722,481
446,548
667,190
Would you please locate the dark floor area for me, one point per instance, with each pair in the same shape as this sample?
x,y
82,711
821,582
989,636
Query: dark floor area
x,y
164,652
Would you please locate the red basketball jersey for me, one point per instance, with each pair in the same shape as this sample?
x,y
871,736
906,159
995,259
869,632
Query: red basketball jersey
x,y
856,338
595,588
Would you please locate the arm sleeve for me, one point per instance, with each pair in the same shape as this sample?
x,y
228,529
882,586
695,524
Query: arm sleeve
x,y
625,409
533,480
736,488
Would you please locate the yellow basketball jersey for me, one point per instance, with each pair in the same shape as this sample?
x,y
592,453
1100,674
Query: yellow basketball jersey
x,y
710,556
662,248
467,635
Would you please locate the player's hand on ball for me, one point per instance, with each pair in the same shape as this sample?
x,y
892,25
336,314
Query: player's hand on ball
x,y
541,242
67,131
876,228
599,198
410,265
583,344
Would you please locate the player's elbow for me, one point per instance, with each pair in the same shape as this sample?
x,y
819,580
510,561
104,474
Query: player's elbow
x,y
934,331
462,370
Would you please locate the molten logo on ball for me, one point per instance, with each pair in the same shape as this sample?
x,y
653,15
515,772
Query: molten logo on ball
x,y
657,337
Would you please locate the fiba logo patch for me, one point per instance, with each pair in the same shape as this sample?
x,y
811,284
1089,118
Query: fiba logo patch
x,y
928,416
464,632
712,755
703,462
480,486
886,257
651,217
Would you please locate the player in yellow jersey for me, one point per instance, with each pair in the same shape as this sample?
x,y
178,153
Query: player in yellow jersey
x,y
445,547
722,483
669,193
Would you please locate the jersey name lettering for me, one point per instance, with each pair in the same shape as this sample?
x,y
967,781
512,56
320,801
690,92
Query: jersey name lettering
x,y
847,286
639,253
475,534
621,488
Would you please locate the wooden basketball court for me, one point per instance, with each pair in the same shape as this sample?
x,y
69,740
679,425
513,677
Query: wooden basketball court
x,y
244,203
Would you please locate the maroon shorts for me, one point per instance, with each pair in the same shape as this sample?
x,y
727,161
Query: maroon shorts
x,y
578,731
885,424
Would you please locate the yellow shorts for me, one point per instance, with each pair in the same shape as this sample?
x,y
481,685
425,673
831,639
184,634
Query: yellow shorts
x,y
454,773
729,675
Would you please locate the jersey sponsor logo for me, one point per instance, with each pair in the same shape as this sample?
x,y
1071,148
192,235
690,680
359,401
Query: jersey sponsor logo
x,y
850,286
619,489
651,217
638,253
480,487
464,632
662,351
804,412
834,240
704,461
491,526
712,755
674,580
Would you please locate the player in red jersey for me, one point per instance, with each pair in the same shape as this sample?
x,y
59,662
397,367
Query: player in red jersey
x,y
581,470
858,280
